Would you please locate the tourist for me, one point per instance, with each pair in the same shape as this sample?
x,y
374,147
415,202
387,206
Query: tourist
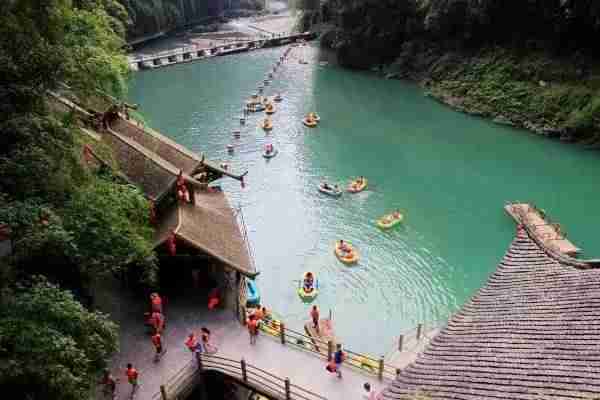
x,y
132,378
344,247
308,282
252,328
205,336
370,395
156,302
157,342
314,315
338,358
325,186
158,322
110,384
192,344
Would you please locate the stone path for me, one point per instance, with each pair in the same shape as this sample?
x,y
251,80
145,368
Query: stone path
x,y
188,313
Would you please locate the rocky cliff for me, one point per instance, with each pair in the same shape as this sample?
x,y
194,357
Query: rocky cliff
x,y
529,63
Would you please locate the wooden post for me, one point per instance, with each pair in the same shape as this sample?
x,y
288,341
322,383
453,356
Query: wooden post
x,y
330,315
287,389
380,372
244,373
397,372
192,191
419,331
400,342
329,350
163,392
282,332
243,314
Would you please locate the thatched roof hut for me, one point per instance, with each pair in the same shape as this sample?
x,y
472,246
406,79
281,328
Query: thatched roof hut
x,y
531,332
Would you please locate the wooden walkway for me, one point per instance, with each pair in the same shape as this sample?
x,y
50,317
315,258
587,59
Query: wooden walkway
x,y
536,222
188,313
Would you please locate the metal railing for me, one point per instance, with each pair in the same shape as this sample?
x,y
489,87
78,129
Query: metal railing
x,y
190,378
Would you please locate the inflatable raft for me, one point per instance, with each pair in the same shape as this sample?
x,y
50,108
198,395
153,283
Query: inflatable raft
x,y
356,187
278,98
310,124
310,295
346,257
331,191
267,125
271,154
389,221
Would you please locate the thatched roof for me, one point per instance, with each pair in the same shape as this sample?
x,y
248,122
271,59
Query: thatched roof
x,y
210,226
167,149
151,173
532,332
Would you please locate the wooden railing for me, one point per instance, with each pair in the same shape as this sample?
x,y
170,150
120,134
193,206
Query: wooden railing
x,y
325,349
191,378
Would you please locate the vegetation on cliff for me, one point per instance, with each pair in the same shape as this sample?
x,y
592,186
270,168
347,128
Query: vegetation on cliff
x,y
68,222
529,64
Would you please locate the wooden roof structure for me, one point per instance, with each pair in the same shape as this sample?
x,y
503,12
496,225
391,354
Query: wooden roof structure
x,y
210,226
532,332
169,150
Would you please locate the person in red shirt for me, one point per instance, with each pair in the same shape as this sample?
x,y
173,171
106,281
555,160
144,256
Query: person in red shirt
x,y
132,378
156,303
158,322
157,342
252,328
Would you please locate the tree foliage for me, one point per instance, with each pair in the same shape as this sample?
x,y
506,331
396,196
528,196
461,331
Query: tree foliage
x,y
50,346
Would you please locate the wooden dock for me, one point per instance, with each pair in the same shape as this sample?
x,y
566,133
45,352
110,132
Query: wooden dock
x,y
321,338
536,222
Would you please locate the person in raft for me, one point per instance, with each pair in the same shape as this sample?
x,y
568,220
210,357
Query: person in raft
x,y
310,118
344,247
396,214
308,283
269,148
325,186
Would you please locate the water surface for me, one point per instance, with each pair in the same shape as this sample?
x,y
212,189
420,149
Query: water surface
x,y
448,172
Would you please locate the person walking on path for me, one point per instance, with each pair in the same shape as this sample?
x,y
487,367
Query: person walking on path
x,y
110,384
193,345
158,322
132,378
157,342
156,303
314,314
338,358
370,394
252,328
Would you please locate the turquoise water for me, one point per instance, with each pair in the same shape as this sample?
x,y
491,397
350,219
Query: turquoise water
x,y
450,174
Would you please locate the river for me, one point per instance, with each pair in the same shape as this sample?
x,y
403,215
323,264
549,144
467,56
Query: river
x,y
449,173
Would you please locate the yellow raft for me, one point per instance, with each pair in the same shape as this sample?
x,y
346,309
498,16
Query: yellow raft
x,y
347,258
356,187
267,125
389,221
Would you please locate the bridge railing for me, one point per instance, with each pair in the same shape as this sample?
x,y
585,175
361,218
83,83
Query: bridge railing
x,y
325,349
190,378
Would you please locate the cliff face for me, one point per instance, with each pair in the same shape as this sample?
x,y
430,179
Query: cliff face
x,y
529,63
147,17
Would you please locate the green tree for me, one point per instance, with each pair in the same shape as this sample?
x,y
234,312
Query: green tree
x,y
50,346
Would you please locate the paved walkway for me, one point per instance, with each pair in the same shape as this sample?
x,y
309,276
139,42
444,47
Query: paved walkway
x,y
188,312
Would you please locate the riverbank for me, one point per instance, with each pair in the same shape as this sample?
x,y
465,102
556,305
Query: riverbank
x,y
547,95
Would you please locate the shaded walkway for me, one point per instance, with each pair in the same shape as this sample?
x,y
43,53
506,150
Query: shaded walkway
x,y
189,312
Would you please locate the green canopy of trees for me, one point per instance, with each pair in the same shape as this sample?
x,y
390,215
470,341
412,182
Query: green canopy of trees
x,y
68,222
50,346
